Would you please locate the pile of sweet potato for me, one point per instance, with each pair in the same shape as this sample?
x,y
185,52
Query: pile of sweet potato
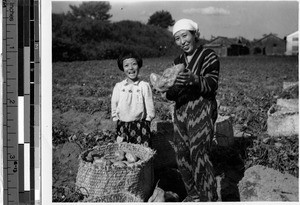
x,y
118,159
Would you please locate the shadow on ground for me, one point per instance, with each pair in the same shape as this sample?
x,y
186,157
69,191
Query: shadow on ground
x,y
229,167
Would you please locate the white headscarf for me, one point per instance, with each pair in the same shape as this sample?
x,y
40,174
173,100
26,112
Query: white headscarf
x,y
186,24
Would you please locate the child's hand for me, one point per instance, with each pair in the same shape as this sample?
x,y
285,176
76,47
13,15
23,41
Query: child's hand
x,y
120,139
163,94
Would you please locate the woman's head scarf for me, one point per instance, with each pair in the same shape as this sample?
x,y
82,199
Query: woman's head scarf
x,y
186,24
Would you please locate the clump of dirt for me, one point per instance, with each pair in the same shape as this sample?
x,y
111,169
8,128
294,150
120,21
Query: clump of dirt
x,y
265,184
291,92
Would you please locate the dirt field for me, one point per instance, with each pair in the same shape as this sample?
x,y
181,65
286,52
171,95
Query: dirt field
x,y
248,87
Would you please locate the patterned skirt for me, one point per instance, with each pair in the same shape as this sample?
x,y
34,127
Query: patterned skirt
x,y
193,134
137,132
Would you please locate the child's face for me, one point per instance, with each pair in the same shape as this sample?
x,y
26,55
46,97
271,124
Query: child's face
x,y
131,68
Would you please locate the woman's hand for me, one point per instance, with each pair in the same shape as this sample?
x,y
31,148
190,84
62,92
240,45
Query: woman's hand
x,y
186,78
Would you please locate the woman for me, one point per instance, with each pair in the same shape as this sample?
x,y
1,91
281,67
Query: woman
x,y
195,112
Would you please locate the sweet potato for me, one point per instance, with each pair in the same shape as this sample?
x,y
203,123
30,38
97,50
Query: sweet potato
x,y
165,81
89,158
119,164
120,155
129,164
131,157
102,161
91,155
99,160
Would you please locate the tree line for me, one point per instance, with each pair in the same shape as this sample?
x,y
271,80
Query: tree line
x,y
86,33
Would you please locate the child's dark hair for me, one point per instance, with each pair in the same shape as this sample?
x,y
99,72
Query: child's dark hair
x,y
129,54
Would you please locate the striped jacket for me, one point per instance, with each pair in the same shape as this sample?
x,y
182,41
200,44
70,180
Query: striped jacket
x,y
205,64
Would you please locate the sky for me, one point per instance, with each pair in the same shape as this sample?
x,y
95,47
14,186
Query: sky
x,y
248,19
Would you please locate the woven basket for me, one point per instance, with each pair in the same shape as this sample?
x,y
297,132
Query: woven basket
x,y
98,181
118,197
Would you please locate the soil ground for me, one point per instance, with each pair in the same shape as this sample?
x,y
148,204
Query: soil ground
x,y
81,104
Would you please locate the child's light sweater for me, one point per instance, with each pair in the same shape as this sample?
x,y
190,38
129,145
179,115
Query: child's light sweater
x,y
131,102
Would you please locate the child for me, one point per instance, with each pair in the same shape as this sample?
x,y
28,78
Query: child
x,y
132,104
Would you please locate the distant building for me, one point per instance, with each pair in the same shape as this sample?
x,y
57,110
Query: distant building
x,y
269,45
224,46
220,45
292,44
